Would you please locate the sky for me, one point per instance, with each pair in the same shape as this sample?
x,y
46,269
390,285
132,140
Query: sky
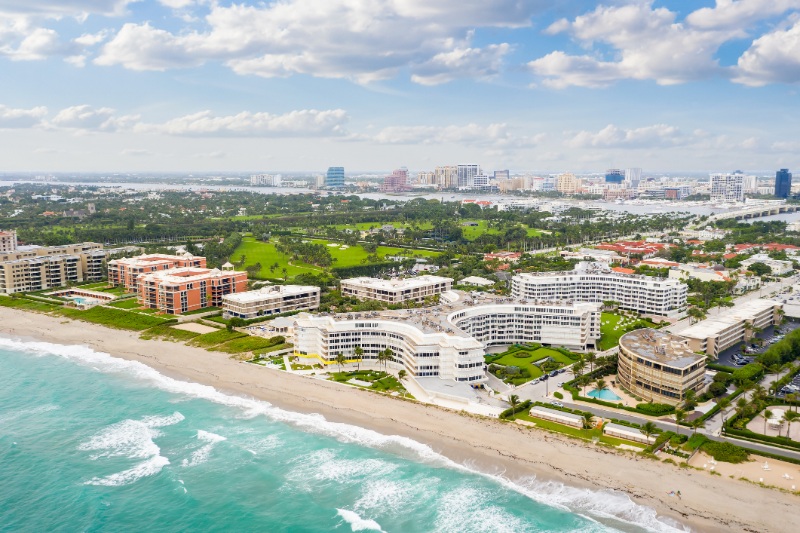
x,y
300,85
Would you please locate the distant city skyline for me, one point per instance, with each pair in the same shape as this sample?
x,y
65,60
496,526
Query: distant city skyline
x,y
201,85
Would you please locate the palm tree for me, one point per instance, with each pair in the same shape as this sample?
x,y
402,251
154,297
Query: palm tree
x,y
578,368
358,355
792,399
340,360
790,416
698,423
690,400
680,416
600,384
647,429
767,416
389,354
513,400
401,374
285,273
590,358
588,418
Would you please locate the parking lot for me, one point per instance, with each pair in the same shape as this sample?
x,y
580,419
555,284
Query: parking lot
x,y
769,334
791,388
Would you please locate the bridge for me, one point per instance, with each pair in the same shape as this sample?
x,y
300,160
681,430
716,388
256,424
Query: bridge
x,y
755,211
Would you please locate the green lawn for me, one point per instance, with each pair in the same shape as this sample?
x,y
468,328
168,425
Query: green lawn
x,y
114,318
245,344
611,328
266,254
585,434
27,305
167,332
127,303
216,337
380,381
473,232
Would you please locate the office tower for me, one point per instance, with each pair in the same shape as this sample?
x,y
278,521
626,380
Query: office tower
x,y
727,187
335,177
502,174
783,183
614,175
632,177
466,175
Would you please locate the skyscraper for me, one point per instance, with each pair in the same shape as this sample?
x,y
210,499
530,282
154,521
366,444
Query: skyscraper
x,y
614,175
783,183
335,177
632,177
466,175
397,181
727,187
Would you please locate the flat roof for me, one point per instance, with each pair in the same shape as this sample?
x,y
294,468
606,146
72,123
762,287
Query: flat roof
x,y
397,284
731,317
267,292
555,412
660,346
182,274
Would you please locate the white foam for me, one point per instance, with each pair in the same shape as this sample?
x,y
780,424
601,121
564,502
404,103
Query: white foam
x,y
201,455
323,465
146,468
26,412
357,523
462,509
600,503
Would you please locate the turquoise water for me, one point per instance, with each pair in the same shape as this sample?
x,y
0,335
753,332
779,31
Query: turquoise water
x,y
605,394
93,443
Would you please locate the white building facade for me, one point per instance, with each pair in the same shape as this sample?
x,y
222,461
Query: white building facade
x,y
594,282
727,187
272,300
396,291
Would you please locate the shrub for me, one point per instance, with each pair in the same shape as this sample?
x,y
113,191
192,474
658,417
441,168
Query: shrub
x,y
695,441
717,388
655,409
723,377
514,410
751,372
521,355
725,451
558,395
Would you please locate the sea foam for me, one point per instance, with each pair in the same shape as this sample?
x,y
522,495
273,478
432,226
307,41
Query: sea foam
x,y
357,523
597,503
200,455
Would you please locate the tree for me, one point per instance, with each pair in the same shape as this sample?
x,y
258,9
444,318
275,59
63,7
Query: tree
x,y
647,429
513,400
760,269
340,360
588,418
388,356
285,273
690,400
600,384
790,416
401,374
697,423
590,358
358,355
767,415
680,416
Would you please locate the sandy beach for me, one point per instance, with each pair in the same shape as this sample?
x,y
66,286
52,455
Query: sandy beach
x,y
708,502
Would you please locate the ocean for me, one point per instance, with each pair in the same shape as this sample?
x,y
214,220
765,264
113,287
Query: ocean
x,y
89,442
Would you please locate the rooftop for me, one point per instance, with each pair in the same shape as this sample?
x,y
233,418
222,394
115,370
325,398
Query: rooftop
x,y
660,346
731,317
264,293
183,274
398,284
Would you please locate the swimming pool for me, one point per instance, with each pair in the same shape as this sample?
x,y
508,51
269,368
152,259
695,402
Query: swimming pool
x,y
605,394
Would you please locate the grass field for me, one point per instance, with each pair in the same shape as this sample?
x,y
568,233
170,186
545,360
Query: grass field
x,y
266,254
127,303
244,344
473,232
612,328
27,305
114,318
167,332
523,358
214,338
585,434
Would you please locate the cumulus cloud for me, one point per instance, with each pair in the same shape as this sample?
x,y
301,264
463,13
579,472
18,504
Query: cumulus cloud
x,y
302,123
363,40
83,117
648,44
498,135
772,58
657,135
738,13
59,8
21,118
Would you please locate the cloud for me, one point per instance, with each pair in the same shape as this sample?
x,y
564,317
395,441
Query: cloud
x,y
362,40
738,13
647,43
772,58
59,8
497,135
302,123
21,118
84,117
655,136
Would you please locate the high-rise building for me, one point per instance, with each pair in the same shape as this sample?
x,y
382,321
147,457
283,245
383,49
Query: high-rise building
x,y
466,175
8,240
335,177
727,187
614,175
446,177
632,177
502,174
567,183
783,183
266,180
397,181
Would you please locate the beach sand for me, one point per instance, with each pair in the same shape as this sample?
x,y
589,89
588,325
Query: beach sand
x,y
708,503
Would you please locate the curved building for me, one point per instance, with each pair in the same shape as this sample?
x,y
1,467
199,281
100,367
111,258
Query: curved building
x,y
659,366
594,282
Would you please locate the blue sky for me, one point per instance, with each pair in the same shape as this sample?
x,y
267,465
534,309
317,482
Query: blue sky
x,y
299,85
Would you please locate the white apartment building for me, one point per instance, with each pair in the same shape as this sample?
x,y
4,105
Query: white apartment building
x,y
735,325
270,300
575,326
396,290
595,282
727,187
266,180
319,339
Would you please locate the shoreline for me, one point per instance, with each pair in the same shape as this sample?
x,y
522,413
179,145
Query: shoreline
x,y
709,503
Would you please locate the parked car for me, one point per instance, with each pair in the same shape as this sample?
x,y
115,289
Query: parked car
x,y
557,403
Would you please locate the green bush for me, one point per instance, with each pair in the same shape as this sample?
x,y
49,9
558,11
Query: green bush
x,y
723,377
655,409
751,372
725,451
558,395
695,441
514,410
717,388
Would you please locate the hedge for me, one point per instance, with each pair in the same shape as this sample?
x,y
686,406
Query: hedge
x,y
750,372
725,451
558,395
655,409
663,409
746,433
721,368
514,410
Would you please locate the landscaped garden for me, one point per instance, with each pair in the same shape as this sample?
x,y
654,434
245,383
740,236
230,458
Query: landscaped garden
x,y
615,325
522,363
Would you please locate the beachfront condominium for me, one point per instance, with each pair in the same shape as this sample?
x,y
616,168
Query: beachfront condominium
x,y
459,357
732,326
125,272
572,325
35,268
395,291
659,366
8,240
271,300
334,178
783,183
596,282
187,289
727,187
